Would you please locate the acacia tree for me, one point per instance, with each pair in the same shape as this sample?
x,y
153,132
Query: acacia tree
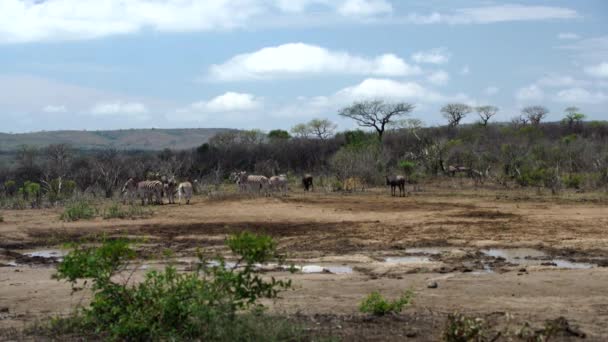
x,y
573,116
486,113
376,114
455,112
301,131
322,128
535,114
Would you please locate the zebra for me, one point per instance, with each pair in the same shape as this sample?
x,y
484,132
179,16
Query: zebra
x,y
253,183
396,181
279,183
149,189
307,182
169,188
184,189
236,178
129,191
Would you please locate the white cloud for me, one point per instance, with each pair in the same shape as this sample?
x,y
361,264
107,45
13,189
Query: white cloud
x,y
227,106
54,109
374,88
494,14
131,110
553,80
439,77
491,90
304,59
568,36
434,56
364,8
580,95
530,93
600,70
28,21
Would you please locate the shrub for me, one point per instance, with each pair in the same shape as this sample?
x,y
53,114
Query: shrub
x,y
460,328
377,305
573,181
78,211
132,212
10,187
210,303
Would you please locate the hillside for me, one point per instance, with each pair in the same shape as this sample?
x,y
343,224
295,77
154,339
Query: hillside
x,y
130,139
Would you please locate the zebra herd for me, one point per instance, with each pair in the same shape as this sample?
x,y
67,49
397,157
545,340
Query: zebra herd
x,y
152,191
256,184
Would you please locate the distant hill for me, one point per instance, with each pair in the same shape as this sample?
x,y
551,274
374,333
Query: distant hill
x,y
129,139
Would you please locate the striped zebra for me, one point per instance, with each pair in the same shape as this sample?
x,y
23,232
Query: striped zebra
x,y
129,191
146,190
184,189
253,183
279,184
169,188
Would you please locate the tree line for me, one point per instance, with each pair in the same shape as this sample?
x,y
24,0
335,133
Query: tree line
x,y
524,152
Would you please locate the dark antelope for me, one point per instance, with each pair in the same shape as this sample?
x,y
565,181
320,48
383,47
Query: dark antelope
x,y
396,181
307,182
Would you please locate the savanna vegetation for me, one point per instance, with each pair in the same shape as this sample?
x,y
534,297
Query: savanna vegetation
x,y
527,152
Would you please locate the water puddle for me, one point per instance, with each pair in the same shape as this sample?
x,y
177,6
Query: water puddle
x,y
407,260
47,254
325,269
532,257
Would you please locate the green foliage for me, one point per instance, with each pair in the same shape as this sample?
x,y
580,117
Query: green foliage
x,y
573,181
377,305
58,190
407,166
568,139
278,134
80,210
210,303
117,211
359,139
460,328
30,190
10,187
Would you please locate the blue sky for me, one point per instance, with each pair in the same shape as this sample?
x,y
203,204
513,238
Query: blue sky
x,y
70,64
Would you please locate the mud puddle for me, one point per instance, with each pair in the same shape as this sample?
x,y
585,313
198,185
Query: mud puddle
x,y
532,257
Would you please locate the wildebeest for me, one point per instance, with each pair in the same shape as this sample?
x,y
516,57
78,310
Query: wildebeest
x,y
396,181
307,182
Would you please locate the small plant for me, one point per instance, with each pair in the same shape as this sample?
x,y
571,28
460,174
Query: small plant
x,y
132,212
573,181
460,328
78,211
377,305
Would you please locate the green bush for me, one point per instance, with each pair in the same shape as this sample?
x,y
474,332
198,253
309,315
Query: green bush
x,y
10,188
78,211
216,303
132,212
59,190
460,328
407,166
573,181
377,305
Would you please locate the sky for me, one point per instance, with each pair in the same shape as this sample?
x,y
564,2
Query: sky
x,y
270,64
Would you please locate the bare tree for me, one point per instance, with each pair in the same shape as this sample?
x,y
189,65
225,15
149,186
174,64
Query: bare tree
x,y
322,128
109,164
535,114
301,131
519,121
455,112
376,114
486,113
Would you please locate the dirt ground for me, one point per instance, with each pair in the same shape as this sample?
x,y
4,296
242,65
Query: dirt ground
x,y
365,242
